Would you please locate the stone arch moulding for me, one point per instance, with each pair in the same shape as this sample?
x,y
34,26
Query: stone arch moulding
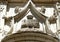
x,y
37,15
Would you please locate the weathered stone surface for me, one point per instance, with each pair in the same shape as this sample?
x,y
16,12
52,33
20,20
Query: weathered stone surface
x,y
31,36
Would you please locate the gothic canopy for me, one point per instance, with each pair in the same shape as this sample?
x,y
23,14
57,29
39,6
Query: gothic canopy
x,y
30,5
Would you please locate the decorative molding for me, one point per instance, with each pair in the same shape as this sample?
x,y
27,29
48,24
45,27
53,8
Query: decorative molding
x,y
29,36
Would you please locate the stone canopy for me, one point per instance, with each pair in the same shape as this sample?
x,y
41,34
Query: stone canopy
x,y
30,5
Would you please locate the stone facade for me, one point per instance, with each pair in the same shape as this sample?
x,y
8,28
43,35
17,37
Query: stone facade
x,y
29,36
30,31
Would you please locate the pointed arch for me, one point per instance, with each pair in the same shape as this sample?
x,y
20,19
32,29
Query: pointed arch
x,y
20,15
38,15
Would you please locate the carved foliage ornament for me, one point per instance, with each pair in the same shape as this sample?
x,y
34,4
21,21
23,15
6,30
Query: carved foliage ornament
x,y
52,19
